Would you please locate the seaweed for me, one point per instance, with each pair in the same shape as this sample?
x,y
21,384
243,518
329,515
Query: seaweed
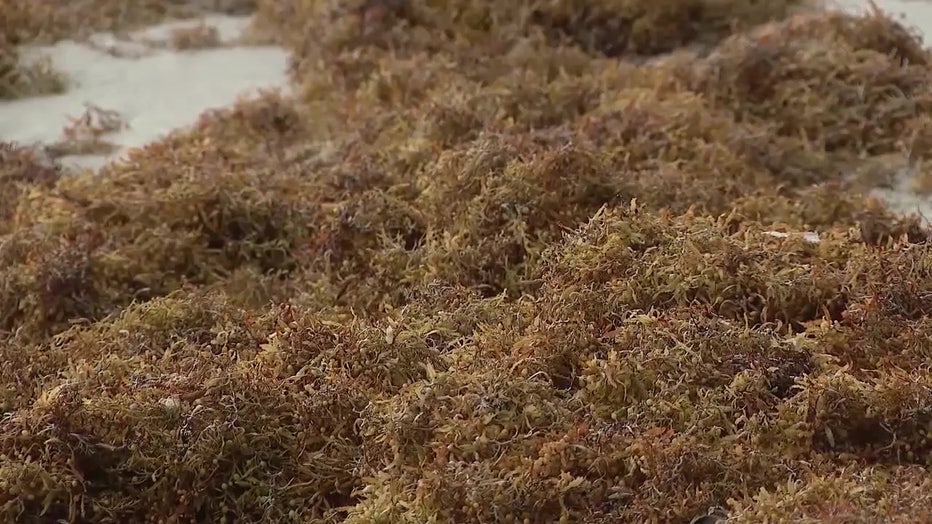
x,y
19,79
491,262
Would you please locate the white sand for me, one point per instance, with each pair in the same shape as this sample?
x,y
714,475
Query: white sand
x,y
156,92
161,89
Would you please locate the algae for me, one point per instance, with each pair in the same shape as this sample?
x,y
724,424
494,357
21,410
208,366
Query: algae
x,y
493,262
19,79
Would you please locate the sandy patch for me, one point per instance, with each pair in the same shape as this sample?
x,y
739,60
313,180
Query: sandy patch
x,y
152,87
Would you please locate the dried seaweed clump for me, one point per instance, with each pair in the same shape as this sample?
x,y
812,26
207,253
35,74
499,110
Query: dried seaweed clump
x,y
20,170
201,36
20,80
84,134
859,493
175,213
606,28
841,83
205,419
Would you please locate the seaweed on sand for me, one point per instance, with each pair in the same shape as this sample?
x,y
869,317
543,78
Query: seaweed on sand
x,y
550,285
860,85
185,215
19,79
21,169
47,21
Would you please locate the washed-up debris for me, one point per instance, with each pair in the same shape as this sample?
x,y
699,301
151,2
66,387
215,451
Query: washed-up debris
x,y
84,134
200,36
20,79
488,265
808,236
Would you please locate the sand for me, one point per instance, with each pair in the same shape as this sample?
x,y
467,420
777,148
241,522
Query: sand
x,y
155,89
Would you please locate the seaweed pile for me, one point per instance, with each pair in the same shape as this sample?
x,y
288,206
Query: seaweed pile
x,y
530,261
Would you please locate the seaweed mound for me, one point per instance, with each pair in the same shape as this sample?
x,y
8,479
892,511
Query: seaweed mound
x,y
493,262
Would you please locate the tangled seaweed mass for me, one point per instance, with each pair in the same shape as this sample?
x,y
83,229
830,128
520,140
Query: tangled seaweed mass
x,y
527,261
